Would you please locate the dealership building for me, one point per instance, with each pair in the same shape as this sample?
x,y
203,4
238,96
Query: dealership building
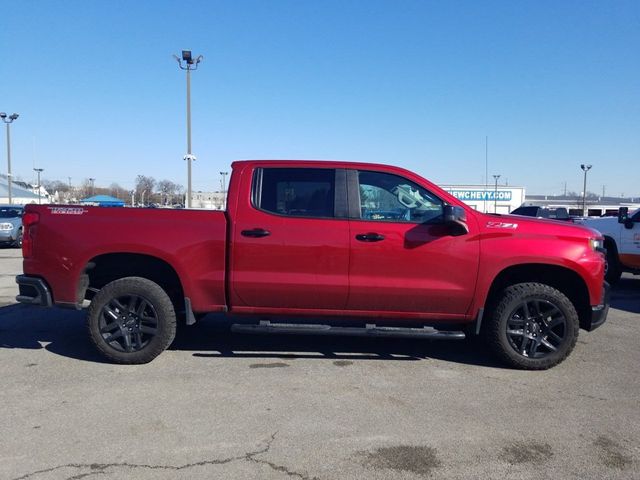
x,y
505,199
488,198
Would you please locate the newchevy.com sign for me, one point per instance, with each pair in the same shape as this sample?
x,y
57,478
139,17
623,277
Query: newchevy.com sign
x,y
488,195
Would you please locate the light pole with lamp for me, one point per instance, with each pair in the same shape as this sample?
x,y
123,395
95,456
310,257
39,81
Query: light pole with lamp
x,y
189,64
8,120
39,171
495,194
585,168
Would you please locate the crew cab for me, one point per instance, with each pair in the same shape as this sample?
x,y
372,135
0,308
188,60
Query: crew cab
x,y
621,240
319,247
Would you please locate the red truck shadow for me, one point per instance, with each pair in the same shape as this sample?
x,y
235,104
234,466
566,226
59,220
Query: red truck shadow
x,y
63,332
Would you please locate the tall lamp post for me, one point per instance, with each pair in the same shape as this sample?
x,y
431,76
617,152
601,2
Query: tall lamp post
x,y
8,120
93,182
224,189
495,194
38,171
190,63
585,169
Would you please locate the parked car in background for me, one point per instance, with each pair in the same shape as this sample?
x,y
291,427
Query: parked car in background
x,y
621,240
560,213
11,225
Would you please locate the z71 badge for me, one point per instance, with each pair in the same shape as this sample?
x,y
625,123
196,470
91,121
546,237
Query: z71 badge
x,y
511,226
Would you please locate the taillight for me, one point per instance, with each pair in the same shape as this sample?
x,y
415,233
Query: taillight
x,y
29,219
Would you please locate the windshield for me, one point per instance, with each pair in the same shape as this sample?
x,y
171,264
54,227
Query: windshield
x,y
6,212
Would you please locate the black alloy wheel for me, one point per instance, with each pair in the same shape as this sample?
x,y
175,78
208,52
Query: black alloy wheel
x,y
536,328
131,320
532,326
128,323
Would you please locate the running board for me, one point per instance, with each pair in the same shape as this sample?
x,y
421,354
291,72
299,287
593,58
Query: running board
x,y
370,330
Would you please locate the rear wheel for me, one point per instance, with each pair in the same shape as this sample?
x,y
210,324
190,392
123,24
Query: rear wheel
x,y
533,326
131,320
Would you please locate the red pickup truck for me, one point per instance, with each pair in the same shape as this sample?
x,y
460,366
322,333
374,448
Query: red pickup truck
x,y
333,248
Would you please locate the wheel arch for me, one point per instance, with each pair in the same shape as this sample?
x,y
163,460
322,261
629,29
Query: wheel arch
x,y
105,268
563,279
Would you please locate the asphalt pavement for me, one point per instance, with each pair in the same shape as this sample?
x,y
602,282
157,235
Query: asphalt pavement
x,y
231,406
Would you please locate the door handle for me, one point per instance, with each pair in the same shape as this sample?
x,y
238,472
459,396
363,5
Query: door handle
x,y
369,237
255,233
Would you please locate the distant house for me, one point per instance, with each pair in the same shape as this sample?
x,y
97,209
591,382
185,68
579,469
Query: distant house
x,y
103,201
19,195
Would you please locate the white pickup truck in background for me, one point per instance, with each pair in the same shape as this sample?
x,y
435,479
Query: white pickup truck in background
x,y
622,241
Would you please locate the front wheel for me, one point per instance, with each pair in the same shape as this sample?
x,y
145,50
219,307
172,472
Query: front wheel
x,y
533,326
131,320
612,269
18,242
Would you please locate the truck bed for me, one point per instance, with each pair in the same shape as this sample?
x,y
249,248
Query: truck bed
x,y
70,239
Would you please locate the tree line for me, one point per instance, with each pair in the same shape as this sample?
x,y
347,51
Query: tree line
x,y
146,190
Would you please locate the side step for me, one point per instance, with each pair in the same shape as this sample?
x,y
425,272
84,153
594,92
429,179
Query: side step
x,y
370,330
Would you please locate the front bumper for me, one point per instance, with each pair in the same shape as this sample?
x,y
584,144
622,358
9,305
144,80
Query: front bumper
x,y
8,236
599,312
33,291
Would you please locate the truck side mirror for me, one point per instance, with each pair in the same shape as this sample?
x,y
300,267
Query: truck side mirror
x,y
456,218
623,217
623,214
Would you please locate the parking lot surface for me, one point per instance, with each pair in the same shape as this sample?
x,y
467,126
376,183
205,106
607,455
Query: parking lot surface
x,y
222,405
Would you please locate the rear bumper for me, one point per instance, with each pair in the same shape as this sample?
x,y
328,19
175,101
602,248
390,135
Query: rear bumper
x,y
33,291
599,312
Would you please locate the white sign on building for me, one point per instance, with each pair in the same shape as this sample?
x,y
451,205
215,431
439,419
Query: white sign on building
x,y
488,199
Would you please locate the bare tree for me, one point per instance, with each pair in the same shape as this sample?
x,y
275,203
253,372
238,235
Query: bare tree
x,y
115,190
85,189
144,185
169,191
53,186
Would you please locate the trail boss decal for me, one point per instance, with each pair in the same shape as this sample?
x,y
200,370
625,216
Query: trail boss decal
x,y
511,226
67,210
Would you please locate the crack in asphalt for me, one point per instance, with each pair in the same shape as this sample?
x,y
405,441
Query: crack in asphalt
x,y
101,468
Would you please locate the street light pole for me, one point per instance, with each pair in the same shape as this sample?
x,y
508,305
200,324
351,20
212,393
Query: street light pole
x,y
189,64
495,194
92,180
39,171
585,168
224,189
8,120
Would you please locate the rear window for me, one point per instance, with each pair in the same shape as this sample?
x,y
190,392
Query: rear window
x,y
295,192
528,211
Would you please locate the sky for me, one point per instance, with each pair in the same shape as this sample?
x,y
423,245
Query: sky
x,y
419,84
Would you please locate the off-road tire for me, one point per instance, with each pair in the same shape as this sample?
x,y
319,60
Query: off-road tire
x,y
154,303
613,270
553,308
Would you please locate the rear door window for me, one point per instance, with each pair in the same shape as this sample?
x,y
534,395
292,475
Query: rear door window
x,y
295,192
